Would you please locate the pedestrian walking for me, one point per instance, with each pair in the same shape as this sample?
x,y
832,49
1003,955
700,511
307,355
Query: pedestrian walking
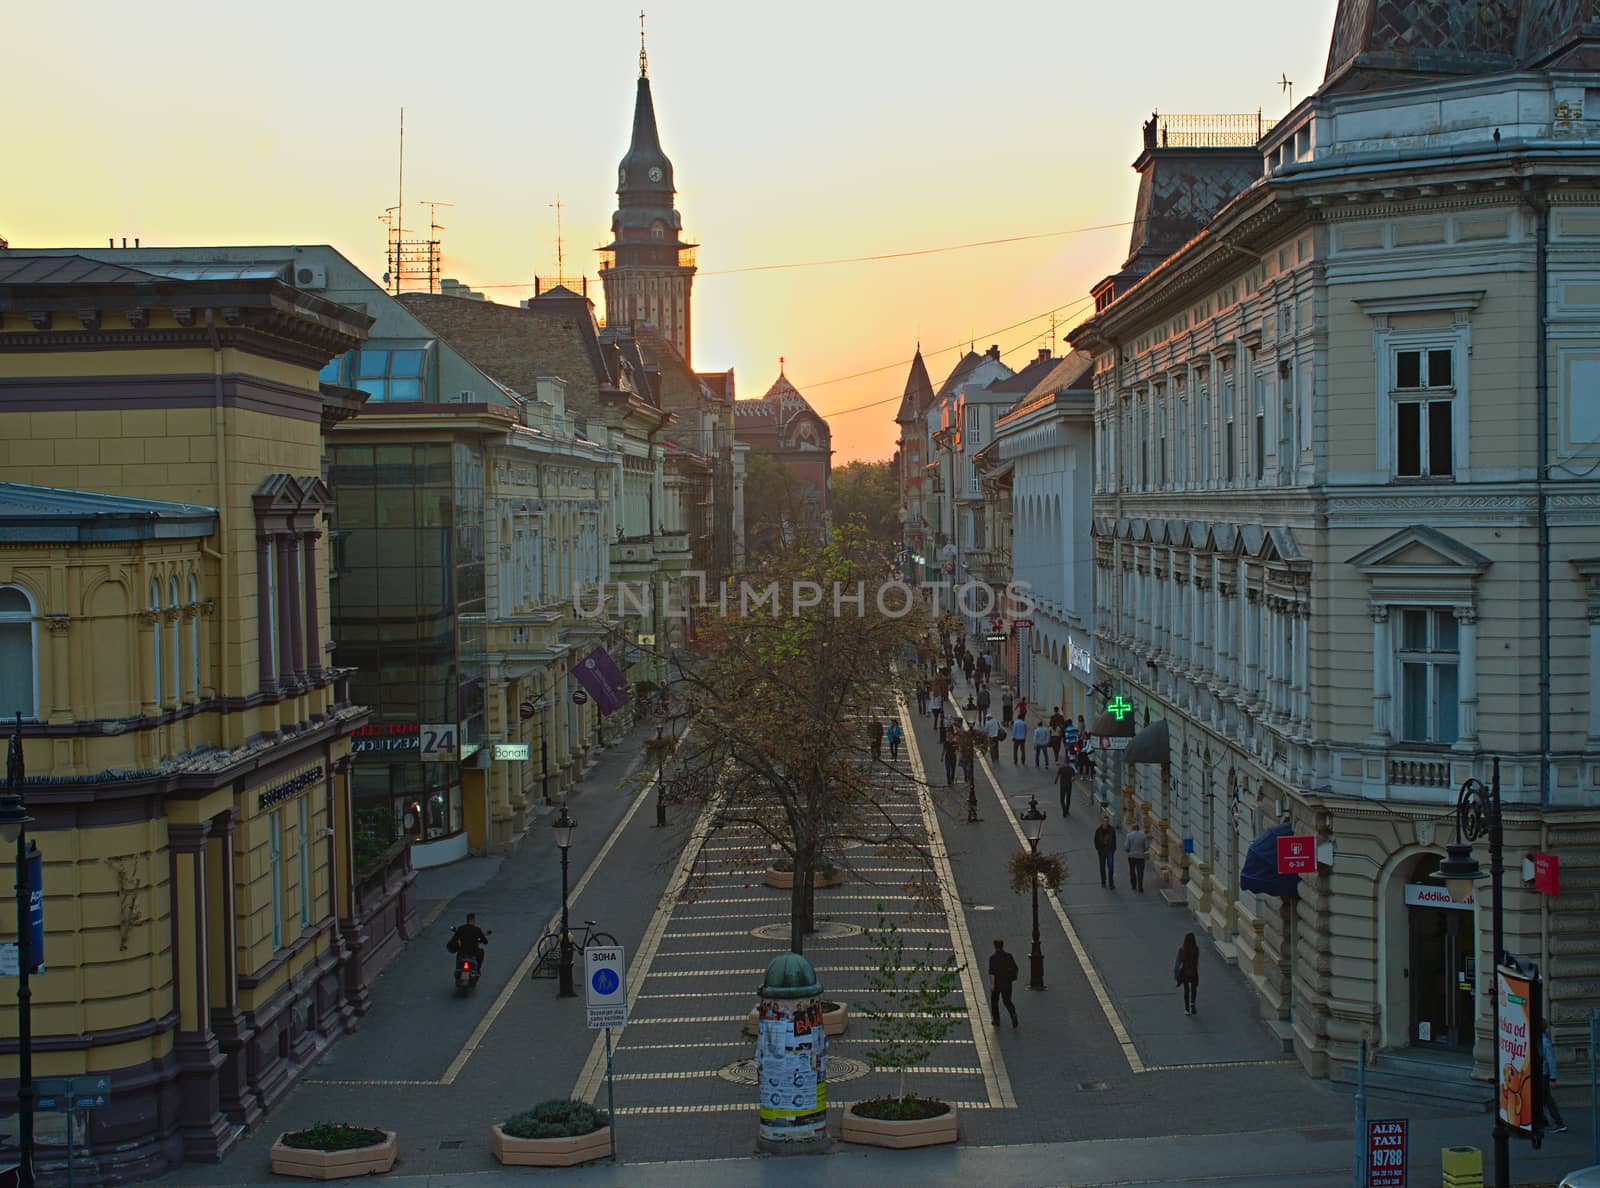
x,y
996,732
1041,744
968,747
1547,1069
1005,708
949,743
983,698
1019,741
922,696
1071,735
1137,847
1021,708
896,736
1058,725
936,708
1105,846
1064,785
1186,971
1002,975
966,665
875,737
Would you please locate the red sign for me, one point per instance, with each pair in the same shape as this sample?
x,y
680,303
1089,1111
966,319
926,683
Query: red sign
x,y
1297,855
1022,622
1547,874
1386,1153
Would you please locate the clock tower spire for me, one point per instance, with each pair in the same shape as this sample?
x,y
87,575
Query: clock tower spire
x,y
647,268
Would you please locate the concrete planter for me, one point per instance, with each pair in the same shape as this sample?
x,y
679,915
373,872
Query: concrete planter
x,y
918,1132
333,1165
784,879
552,1152
833,1022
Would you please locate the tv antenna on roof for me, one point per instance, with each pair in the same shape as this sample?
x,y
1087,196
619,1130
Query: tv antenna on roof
x,y
1284,84
561,269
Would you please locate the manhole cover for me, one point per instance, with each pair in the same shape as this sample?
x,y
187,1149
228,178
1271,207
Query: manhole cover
x,y
840,1068
826,930
1093,1086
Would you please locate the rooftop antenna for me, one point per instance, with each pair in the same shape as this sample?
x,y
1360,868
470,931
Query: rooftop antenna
x,y
400,198
561,264
1052,334
1284,84
435,226
644,59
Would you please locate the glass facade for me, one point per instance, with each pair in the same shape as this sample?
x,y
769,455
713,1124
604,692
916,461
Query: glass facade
x,y
408,607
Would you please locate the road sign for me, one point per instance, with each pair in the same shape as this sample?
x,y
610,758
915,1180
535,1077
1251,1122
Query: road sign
x,y
1297,855
605,986
57,1095
1386,1153
440,742
580,696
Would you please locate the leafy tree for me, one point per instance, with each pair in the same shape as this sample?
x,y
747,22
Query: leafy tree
x,y
779,697
867,494
913,1009
779,507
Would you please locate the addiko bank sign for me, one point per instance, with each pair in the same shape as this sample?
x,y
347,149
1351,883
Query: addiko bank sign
x,y
1434,895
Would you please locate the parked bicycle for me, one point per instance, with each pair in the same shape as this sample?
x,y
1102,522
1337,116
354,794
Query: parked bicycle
x,y
547,957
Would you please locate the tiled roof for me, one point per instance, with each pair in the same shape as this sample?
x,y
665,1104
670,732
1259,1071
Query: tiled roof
x,y
919,390
958,373
1024,380
31,514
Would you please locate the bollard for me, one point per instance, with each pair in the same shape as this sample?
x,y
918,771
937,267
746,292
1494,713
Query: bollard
x,y
1463,1167
792,1059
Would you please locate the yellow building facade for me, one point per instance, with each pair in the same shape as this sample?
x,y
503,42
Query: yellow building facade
x,y
163,573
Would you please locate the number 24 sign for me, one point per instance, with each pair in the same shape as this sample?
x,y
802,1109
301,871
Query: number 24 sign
x,y
440,742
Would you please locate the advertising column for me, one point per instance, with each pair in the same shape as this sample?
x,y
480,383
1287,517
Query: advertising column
x,y
792,1056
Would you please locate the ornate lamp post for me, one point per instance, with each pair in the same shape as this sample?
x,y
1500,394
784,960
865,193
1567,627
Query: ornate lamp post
x,y
14,830
1033,829
659,746
564,825
1477,815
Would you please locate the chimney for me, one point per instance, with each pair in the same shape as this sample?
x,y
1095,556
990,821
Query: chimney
x,y
994,352
1044,354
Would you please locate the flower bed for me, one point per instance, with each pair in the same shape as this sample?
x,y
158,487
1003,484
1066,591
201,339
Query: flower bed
x,y
333,1151
900,1123
553,1134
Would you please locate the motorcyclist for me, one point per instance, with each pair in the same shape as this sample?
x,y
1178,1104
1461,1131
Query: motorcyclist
x,y
468,939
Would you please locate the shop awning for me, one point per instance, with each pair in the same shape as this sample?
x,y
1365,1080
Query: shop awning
x,y
1260,869
1111,726
1150,745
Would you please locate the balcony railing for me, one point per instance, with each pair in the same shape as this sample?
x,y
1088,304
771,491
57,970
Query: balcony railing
x,y
1231,130
1419,773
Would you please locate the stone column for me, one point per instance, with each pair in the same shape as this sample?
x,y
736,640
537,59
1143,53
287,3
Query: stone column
x,y
233,1032
313,627
1251,652
291,628
201,1126
61,700
1467,679
1382,659
265,656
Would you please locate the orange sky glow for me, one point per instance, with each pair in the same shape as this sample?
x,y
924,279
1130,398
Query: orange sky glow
x,y
798,134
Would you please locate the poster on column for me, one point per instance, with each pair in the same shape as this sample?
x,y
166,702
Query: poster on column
x,y
791,1070
1517,1084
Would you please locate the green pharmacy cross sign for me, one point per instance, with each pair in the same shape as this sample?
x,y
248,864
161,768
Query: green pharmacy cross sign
x,y
1120,707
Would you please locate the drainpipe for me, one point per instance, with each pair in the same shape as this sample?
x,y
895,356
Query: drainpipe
x,y
1541,208
220,660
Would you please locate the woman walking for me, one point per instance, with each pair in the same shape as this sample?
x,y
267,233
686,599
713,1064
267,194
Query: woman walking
x,y
1186,971
949,740
896,734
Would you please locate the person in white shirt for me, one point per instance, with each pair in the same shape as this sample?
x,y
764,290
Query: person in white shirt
x,y
1041,745
995,732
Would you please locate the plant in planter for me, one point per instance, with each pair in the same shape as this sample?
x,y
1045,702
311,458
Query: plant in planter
x,y
913,1011
1027,866
780,874
556,1133
333,1151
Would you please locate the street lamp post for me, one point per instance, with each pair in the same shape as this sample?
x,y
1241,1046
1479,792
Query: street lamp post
x,y
1032,829
660,746
14,829
564,826
1477,815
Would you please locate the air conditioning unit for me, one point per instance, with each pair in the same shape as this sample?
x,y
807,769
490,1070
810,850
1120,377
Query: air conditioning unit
x,y
311,276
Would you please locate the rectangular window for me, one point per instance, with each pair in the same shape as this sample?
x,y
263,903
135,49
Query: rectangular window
x,y
1286,423
392,373
1161,443
271,617
305,863
1429,661
1229,431
1260,394
1423,399
974,427
275,857
1204,400
1182,441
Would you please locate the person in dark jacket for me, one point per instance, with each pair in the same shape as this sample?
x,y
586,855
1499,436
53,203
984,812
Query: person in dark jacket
x,y
468,939
875,737
922,697
1105,846
1002,974
1186,971
1064,784
950,745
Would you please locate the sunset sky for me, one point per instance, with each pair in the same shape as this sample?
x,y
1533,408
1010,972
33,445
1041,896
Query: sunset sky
x,y
798,133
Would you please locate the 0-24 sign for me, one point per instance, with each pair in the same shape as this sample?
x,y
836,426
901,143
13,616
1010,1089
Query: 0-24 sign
x,y
440,743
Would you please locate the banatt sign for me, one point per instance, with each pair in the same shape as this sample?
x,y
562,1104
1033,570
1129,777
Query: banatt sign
x,y
1434,895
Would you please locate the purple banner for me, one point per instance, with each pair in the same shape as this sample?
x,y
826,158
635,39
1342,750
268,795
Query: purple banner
x,y
598,673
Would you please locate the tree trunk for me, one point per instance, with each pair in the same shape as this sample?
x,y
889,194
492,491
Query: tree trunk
x,y
800,898
810,910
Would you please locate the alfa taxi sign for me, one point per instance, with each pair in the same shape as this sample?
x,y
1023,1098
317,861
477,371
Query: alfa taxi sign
x,y
605,986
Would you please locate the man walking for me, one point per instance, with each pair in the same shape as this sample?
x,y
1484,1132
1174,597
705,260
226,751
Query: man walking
x,y
1005,708
1002,973
949,742
875,737
1058,725
1019,741
1137,847
1070,735
1064,785
922,696
936,708
995,732
968,750
1041,744
983,698
1105,846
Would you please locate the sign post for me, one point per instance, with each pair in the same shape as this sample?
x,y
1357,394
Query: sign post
x,y
68,1095
605,989
1297,855
1386,1153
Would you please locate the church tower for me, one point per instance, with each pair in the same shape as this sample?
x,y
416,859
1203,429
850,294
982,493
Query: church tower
x,y
647,268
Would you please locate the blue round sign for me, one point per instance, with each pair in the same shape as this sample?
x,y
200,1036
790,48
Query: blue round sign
x,y
605,981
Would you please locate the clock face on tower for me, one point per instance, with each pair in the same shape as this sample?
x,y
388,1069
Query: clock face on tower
x,y
655,173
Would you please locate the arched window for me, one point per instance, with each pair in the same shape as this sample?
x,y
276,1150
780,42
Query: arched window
x,y
155,649
177,636
19,670
194,639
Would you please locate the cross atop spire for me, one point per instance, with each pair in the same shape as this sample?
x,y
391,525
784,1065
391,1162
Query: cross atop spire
x,y
780,364
644,59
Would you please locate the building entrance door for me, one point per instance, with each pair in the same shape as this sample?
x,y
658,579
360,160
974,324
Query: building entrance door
x,y
1442,977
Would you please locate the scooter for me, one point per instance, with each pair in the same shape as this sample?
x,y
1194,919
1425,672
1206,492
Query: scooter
x,y
467,971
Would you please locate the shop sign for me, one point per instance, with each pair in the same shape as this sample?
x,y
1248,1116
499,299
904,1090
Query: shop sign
x,y
1386,1153
1297,855
1022,622
1107,742
504,751
1547,874
1001,638
1080,658
385,736
440,742
1434,895
1518,1044
278,793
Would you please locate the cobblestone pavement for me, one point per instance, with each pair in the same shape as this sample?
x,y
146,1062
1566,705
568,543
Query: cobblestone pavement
x,y
1103,1056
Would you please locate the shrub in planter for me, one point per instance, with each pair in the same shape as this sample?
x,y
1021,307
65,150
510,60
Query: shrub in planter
x,y
557,1133
780,874
911,1012
333,1151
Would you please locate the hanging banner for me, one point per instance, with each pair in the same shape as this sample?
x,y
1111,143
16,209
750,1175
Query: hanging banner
x,y
1516,1069
598,674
